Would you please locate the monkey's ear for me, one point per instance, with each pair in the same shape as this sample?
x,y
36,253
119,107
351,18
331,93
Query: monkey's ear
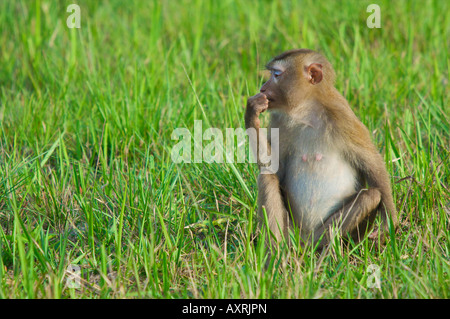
x,y
314,73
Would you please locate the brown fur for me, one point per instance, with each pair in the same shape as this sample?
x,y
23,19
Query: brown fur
x,y
329,172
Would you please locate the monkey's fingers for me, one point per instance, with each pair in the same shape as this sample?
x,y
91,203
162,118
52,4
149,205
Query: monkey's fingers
x,y
374,235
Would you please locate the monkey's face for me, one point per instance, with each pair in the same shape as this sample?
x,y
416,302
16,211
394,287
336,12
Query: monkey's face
x,y
285,87
274,88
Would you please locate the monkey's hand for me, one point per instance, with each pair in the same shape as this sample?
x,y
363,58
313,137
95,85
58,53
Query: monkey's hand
x,y
255,105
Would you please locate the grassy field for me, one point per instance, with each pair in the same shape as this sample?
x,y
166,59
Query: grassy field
x,y
86,119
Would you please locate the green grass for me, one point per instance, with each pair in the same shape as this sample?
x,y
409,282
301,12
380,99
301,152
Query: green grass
x,y
86,176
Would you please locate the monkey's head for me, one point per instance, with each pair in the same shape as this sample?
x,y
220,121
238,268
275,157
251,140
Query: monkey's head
x,y
296,76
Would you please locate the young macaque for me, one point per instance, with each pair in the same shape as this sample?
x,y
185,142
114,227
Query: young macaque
x,y
329,171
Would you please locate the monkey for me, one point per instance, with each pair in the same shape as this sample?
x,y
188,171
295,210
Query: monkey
x,y
329,171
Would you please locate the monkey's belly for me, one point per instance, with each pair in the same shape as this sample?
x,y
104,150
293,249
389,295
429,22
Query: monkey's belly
x,y
316,187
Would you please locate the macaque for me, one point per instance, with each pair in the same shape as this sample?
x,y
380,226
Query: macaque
x,y
329,171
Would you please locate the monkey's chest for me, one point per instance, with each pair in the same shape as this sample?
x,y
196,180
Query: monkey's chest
x,y
315,184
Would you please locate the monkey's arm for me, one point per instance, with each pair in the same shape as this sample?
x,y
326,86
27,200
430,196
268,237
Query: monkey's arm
x,y
258,142
370,164
376,176
272,212
271,209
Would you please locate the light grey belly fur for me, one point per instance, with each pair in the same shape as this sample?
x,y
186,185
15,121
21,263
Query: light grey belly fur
x,y
314,188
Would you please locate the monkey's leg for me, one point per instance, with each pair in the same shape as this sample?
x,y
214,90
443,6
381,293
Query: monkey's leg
x,y
270,198
353,218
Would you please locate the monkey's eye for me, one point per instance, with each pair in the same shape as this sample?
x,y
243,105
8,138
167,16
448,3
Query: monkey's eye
x,y
277,73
